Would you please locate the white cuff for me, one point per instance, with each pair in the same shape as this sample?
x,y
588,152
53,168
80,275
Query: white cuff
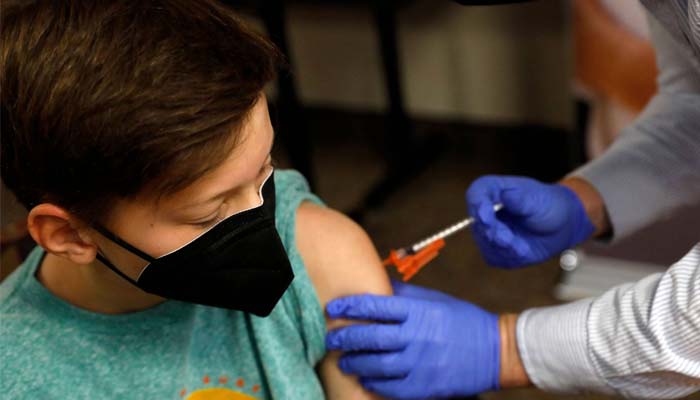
x,y
553,345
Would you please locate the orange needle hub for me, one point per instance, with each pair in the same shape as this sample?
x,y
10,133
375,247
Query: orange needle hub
x,y
409,265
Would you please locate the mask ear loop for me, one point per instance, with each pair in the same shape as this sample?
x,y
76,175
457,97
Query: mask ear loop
x,y
114,269
122,243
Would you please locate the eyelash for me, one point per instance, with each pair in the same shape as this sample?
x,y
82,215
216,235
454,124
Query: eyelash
x,y
206,224
217,218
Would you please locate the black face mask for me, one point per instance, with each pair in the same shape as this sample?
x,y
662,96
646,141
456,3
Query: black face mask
x,y
238,264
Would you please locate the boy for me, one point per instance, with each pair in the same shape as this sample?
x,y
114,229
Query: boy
x,y
138,137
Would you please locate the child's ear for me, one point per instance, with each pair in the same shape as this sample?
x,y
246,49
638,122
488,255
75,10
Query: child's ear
x,y
60,233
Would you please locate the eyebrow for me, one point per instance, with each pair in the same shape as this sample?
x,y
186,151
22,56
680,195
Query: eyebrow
x,y
229,190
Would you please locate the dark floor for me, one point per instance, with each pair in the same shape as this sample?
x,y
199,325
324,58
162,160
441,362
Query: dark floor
x,y
348,159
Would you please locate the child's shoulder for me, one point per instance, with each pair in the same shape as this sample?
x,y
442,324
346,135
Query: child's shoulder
x,y
327,249
339,256
291,190
289,179
12,284
339,260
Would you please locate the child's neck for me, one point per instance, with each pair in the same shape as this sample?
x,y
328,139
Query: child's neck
x,y
92,287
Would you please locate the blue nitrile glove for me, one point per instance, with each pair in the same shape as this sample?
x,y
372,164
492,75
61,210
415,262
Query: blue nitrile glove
x,y
425,344
537,222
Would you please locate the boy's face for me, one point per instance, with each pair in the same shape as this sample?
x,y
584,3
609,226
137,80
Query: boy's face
x,y
158,227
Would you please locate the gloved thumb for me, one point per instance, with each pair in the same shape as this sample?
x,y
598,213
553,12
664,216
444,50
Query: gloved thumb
x,y
521,201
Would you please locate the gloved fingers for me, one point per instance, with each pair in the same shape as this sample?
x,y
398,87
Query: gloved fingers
x,y
485,214
520,196
483,192
501,235
499,246
417,292
370,308
520,248
497,234
372,337
374,365
524,201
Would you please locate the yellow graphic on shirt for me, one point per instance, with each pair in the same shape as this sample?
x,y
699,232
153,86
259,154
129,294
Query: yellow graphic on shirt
x,y
219,393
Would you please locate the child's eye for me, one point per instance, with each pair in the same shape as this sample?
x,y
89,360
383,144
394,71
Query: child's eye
x,y
211,221
206,224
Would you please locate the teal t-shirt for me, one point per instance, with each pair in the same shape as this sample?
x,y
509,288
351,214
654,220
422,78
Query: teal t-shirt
x,y
50,349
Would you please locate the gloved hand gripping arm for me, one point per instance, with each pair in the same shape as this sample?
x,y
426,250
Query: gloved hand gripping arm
x,y
425,344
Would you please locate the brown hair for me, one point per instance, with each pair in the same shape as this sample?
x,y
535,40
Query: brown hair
x,y
102,99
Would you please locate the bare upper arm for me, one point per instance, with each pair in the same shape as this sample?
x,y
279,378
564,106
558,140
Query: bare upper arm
x,y
339,256
340,260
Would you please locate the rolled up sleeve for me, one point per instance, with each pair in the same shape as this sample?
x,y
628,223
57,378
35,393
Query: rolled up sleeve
x,y
638,340
553,345
653,168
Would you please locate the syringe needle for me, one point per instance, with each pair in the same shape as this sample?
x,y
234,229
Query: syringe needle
x,y
449,231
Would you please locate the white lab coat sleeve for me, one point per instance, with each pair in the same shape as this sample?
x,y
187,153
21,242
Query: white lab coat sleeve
x,y
638,340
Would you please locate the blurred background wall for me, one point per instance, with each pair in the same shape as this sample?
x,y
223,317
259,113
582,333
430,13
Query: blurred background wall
x,y
506,64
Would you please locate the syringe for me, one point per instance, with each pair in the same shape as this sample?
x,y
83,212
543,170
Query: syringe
x,y
409,260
